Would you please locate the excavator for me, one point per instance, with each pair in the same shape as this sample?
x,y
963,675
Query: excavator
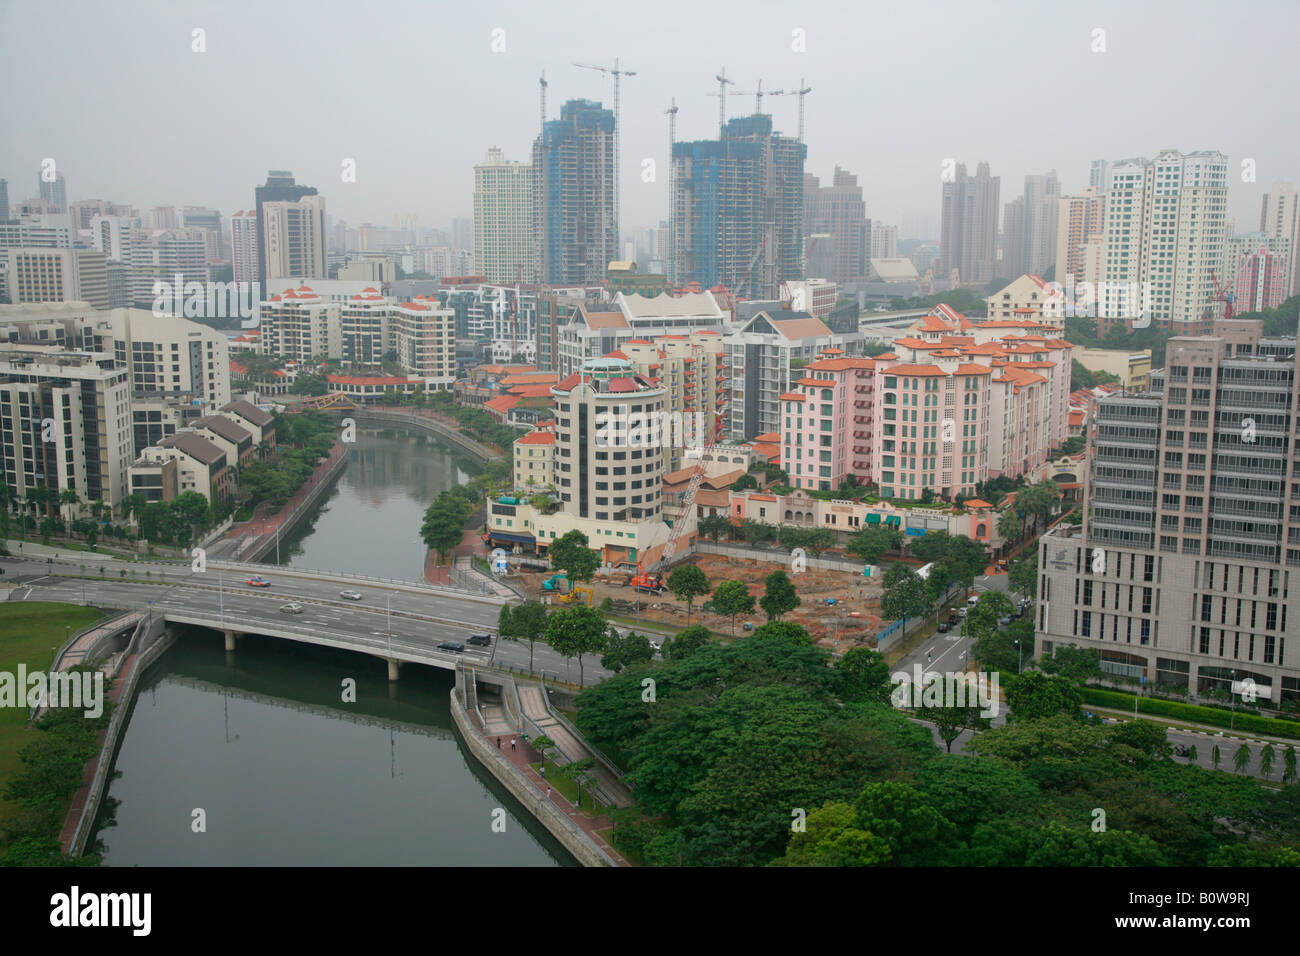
x,y
648,583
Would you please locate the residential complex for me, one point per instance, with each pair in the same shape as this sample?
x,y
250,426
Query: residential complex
x,y
969,225
503,219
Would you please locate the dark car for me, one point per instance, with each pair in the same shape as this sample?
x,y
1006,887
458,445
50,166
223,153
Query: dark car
x,y
954,619
451,646
481,640
943,627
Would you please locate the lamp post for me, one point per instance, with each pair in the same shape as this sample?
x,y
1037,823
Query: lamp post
x,y
1020,656
1232,722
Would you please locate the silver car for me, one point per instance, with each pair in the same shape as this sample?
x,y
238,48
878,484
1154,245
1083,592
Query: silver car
x,y
350,595
294,608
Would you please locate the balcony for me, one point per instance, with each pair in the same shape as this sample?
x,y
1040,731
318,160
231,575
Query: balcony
x,y
861,465
861,419
862,434
861,450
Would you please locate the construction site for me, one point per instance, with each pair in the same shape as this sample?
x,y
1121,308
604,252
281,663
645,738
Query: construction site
x,y
840,609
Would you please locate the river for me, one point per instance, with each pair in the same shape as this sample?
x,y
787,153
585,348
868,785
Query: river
x,y
284,771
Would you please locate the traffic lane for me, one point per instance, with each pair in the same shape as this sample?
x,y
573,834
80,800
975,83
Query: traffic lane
x,y
545,658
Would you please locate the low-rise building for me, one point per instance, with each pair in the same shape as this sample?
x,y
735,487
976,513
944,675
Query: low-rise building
x,y
1131,368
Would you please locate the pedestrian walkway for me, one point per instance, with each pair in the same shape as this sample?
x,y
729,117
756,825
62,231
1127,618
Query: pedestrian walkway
x,y
595,828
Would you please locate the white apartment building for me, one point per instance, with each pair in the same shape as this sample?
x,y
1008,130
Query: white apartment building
x,y
1165,226
80,400
1029,298
57,275
503,219
1279,220
298,324
243,245
161,258
1079,221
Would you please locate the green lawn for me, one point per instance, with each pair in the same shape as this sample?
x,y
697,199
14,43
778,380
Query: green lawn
x,y
28,631
589,805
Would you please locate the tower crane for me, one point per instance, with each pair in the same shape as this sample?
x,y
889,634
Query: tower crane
x,y
618,74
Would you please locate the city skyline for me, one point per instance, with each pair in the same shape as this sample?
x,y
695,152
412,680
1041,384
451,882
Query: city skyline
x,y
895,142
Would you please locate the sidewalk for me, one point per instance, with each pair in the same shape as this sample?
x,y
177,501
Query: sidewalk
x,y
593,827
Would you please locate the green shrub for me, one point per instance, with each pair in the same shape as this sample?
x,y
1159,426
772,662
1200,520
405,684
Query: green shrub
x,y
1192,712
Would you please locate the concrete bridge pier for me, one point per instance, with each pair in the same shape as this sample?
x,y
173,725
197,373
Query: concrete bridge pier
x,y
393,668
231,638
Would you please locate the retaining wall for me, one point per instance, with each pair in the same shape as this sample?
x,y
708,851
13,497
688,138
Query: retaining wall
x,y
546,813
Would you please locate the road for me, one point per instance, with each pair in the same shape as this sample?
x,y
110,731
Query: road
x,y
420,619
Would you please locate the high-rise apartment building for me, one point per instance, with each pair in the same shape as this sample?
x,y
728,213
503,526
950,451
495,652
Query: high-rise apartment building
x,y
884,241
738,209
1042,197
177,257
839,211
1099,176
208,220
1279,219
57,275
1165,228
279,187
574,211
1261,280
969,225
1013,238
1181,571
503,219
54,191
4,199
293,238
1079,221
164,217
243,246
85,399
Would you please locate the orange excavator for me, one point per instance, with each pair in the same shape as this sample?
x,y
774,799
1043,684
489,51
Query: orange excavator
x,y
649,583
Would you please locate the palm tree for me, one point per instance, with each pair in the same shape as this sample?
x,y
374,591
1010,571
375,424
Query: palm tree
x,y
69,497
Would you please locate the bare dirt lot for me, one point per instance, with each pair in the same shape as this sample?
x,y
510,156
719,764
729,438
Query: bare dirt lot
x,y
854,616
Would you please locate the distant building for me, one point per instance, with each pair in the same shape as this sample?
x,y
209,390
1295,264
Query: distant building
x,y
279,187
969,228
839,211
503,219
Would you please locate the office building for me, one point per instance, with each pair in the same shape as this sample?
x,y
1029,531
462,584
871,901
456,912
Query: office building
x,y
57,275
54,191
164,260
279,187
292,239
1180,574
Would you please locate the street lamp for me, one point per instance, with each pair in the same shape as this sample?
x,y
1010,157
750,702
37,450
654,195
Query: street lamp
x,y
1020,656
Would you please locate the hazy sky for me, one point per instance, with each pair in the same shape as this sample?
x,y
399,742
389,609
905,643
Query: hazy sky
x,y
415,94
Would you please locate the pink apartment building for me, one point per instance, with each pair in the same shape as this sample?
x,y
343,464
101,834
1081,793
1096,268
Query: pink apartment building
x,y
826,423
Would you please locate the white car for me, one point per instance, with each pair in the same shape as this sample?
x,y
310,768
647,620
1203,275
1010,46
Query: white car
x,y
294,608
350,595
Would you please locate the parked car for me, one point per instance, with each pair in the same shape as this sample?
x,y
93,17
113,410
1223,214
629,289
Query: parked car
x,y
350,595
451,646
257,581
294,608
480,640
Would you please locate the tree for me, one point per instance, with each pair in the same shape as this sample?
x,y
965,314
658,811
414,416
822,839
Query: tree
x,y
571,554
983,618
1145,736
831,837
1079,664
687,582
951,721
686,643
444,523
756,531
574,631
873,541
732,598
528,623
818,540
69,497
714,526
744,483
1022,575
1267,757
1289,765
1033,696
778,595
1010,527
908,597
622,652
1241,759
897,571
864,676
1216,757
938,581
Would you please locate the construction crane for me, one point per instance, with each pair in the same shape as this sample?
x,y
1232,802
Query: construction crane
x,y
722,99
542,84
618,74
801,93
1222,295
758,95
